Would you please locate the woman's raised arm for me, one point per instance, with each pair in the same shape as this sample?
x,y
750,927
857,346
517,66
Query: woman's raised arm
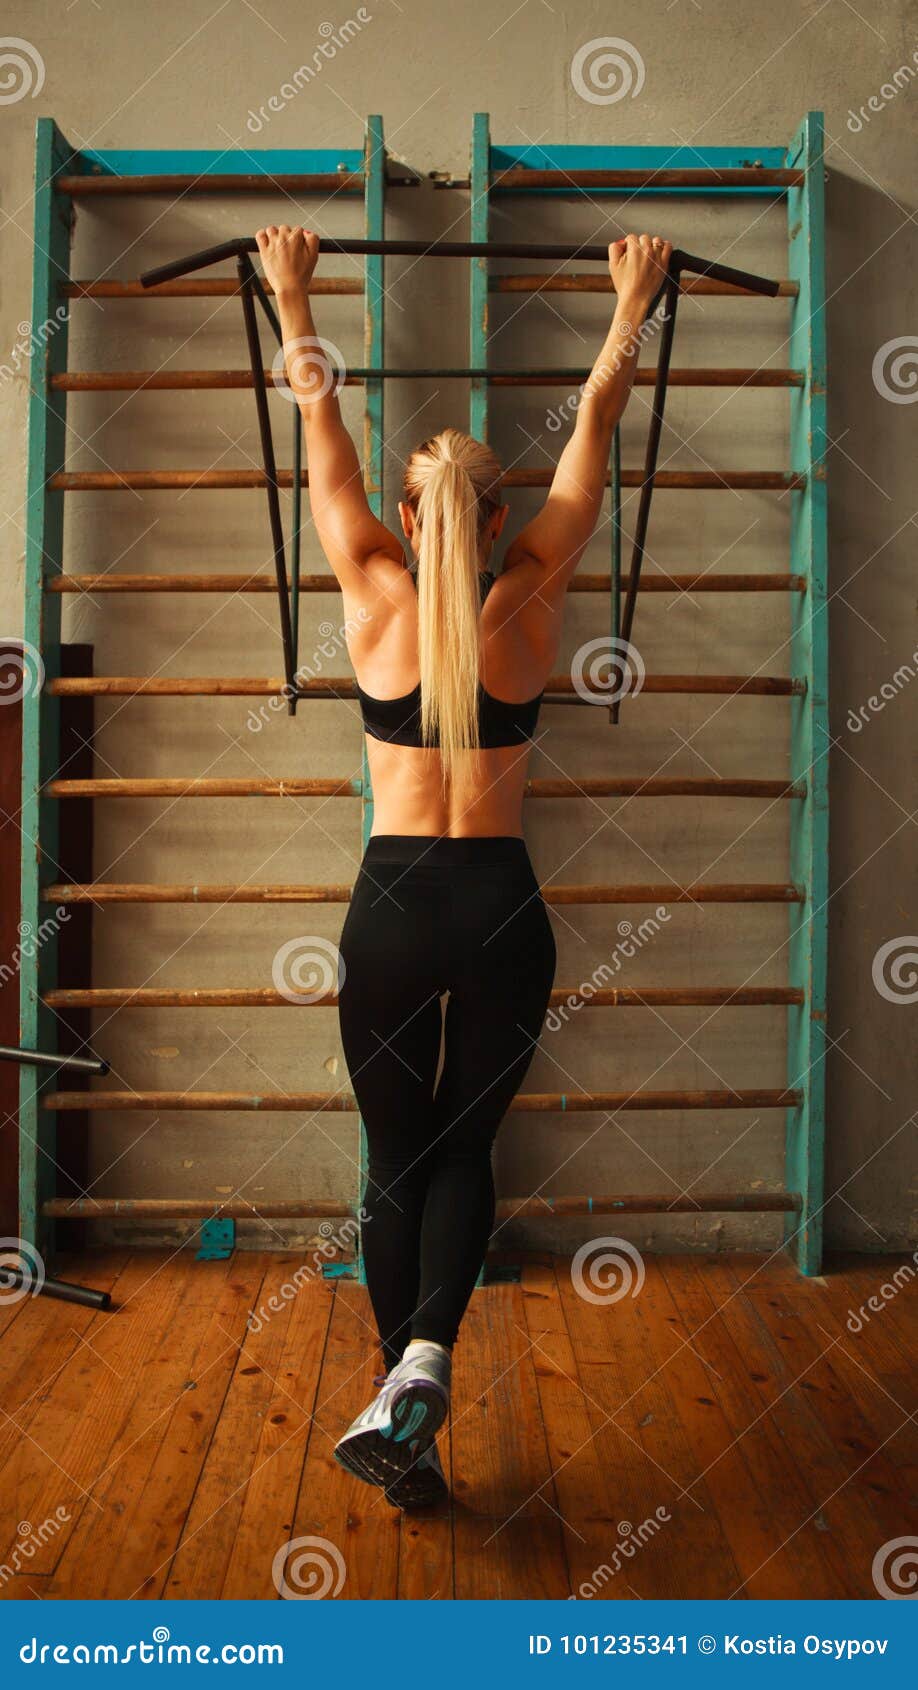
x,y
555,539
351,536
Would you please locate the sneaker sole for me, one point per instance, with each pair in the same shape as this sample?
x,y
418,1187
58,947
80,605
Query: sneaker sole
x,y
387,1457
418,1412
418,1488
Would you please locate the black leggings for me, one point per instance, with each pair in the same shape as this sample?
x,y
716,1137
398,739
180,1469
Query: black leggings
x,y
430,916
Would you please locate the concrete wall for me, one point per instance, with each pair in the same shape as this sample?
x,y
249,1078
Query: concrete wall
x,y
724,73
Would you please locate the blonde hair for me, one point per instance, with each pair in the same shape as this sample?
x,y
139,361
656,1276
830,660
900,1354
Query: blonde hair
x,y
452,484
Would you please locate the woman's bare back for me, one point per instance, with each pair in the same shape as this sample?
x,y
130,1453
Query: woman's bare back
x,y
518,646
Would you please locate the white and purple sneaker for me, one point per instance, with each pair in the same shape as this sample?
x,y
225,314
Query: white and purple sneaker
x,y
392,1442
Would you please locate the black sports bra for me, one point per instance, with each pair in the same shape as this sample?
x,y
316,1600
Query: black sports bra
x,y
398,720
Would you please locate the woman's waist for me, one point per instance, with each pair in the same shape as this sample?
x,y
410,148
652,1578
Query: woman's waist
x,y
449,851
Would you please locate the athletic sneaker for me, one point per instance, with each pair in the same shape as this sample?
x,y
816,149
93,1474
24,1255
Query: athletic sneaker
x,y
385,1444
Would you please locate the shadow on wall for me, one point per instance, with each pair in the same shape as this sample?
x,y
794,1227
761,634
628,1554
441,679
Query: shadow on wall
x,y
873,666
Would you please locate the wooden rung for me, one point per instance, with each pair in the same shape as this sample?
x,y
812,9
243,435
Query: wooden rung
x,y
741,1202
508,1208
204,480
225,287
326,583
195,287
266,997
209,381
517,177
197,1208
711,892
344,686
586,281
283,1102
305,182
622,786
714,480
109,892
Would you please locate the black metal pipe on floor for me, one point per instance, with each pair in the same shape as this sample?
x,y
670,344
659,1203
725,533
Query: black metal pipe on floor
x,y
12,1278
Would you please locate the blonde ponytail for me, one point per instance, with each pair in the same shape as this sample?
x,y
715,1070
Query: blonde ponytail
x,y
452,484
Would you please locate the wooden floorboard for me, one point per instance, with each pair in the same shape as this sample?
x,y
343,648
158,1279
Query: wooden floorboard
x,y
637,1428
338,1511
507,1530
731,1430
172,1312
733,1455
846,1475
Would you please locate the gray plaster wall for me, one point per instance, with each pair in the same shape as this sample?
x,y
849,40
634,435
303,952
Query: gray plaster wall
x,y
192,75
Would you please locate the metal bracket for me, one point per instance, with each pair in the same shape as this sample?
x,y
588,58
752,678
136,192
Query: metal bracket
x,y
218,1240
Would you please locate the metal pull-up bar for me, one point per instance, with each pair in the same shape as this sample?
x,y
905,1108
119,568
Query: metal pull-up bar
x,y
680,263
591,254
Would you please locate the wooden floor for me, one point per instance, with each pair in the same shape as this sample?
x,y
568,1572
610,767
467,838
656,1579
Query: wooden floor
x,y
167,1450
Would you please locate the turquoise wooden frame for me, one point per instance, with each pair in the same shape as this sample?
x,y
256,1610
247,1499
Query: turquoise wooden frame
x,y
809,844
807,944
53,219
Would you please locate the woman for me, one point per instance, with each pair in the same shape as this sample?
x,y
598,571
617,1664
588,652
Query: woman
x,y
451,665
